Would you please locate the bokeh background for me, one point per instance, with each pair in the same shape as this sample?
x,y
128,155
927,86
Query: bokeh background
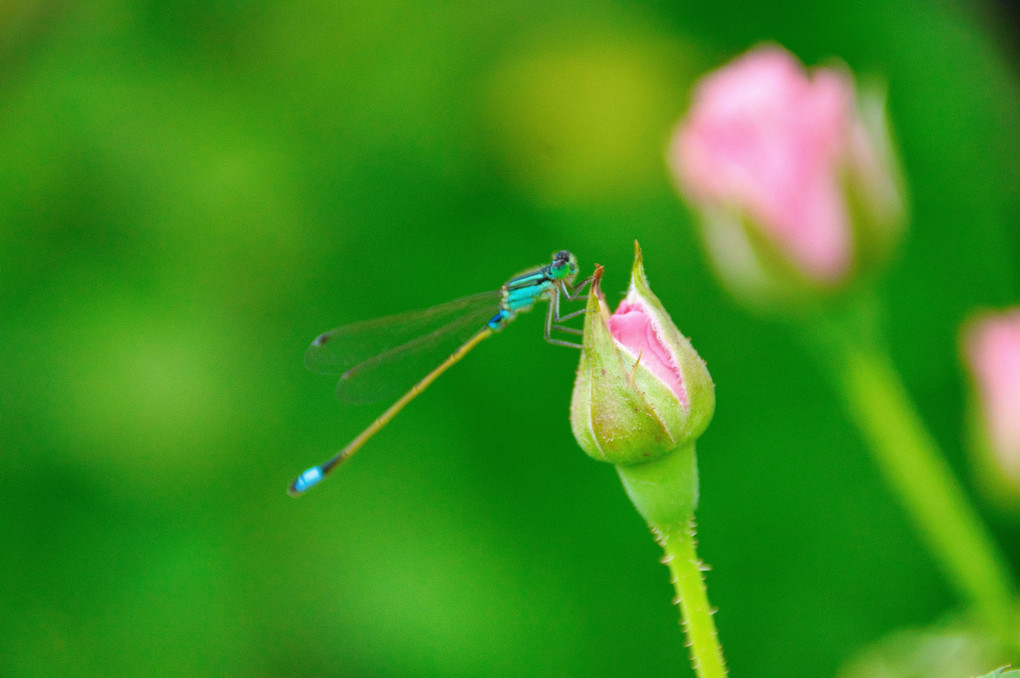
x,y
191,191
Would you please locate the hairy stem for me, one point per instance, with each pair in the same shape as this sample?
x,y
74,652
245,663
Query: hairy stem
x,y
696,614
665,493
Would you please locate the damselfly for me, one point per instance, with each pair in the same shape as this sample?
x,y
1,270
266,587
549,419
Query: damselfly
x,y
375,357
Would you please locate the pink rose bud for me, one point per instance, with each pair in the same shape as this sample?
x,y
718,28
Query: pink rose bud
x,y
641,391
791,174
991,348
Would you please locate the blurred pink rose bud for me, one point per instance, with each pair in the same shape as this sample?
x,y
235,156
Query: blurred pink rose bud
x,y
791,174
991,349
641,391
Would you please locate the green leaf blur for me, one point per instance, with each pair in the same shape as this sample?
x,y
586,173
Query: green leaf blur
x,y
190,192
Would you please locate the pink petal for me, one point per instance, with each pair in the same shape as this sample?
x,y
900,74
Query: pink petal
x,y
632,327
765,136
992,346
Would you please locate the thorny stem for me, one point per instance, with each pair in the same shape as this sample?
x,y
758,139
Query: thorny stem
x,y
685,569
665,493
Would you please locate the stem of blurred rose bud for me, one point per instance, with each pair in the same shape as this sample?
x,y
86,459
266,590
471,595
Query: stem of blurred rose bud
x,y
912,464
664,492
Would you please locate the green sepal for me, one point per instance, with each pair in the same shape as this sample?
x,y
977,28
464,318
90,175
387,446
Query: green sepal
x,y
621,411
697,382
609,412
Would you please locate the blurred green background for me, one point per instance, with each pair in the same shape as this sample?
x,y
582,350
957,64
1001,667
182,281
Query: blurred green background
x,y
191,191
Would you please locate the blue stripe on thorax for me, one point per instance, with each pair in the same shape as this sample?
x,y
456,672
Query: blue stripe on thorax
x,y
520,294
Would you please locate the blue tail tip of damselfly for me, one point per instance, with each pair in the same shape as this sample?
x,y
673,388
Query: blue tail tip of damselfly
x,y
306,481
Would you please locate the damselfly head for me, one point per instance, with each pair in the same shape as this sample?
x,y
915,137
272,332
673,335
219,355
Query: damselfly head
x,y
564,265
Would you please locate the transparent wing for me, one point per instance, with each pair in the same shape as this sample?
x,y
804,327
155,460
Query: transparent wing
x,y
384,357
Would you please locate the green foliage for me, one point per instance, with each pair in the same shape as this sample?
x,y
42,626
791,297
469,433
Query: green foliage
x,y
1002,673
949,648
189,193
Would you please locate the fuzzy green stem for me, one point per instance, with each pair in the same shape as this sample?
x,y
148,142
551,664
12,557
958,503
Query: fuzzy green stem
x,y
685,567
665,493
914,467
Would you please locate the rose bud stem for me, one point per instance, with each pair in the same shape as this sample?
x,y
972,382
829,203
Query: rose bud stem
x,y
641,399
